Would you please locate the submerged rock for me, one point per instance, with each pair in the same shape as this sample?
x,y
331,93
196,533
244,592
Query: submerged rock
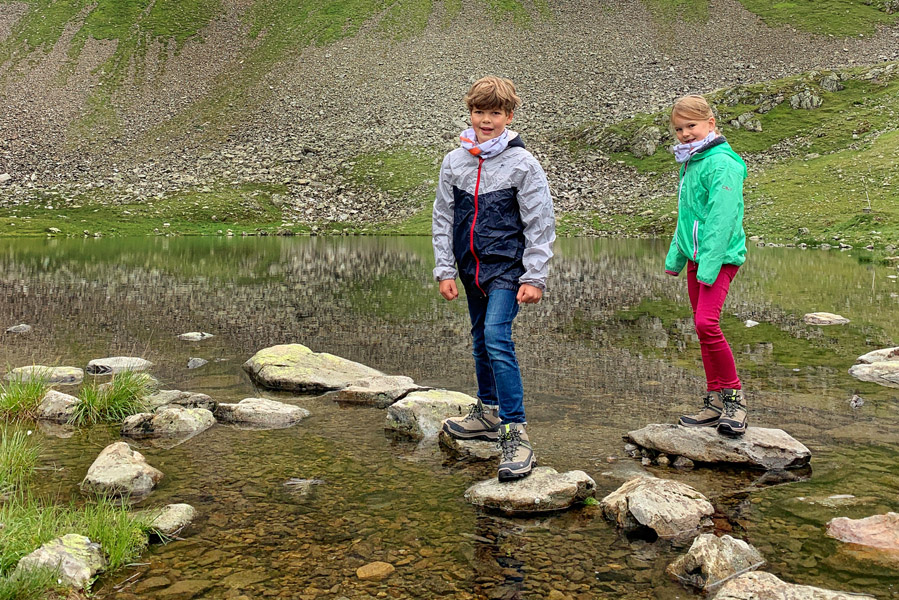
x,y
824,318
380,391
168,520
468,449
758,585
74,557
120,471
179,398
53,375
712,560
421,414
301,487
879,366
375,571
117,364
195,336
671,509
296,368
544,490
261,413
57,407
196,363
770,449
168,421
878,531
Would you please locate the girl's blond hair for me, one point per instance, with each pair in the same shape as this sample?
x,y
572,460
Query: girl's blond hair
x,y
693,106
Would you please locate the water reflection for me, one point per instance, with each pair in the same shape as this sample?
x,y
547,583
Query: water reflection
x,y
611,349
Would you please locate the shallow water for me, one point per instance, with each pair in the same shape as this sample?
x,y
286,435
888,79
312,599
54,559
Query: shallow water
x,y
611,349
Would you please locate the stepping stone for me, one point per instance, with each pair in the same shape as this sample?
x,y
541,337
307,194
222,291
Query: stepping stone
x,y
179,398
544,490
761,448
168,421
168,520
878,531
116,364
296,368
757,585
380,391
824,318
195,336
57,407
420,415
879,366
261,413
712,560
120,471
468,449
53,375
75,558
672,509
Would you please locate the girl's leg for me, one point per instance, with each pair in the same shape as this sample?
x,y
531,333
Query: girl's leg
x,y
717,357
693,287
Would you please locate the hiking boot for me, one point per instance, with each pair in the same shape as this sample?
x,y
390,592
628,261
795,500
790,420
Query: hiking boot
x,y
480,424
518,456
708,416
733,421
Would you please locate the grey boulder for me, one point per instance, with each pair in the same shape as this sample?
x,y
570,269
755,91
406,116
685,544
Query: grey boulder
x,y
544,490
168,520
120,471
759,447
260,413
57,407
712,560
179,398
53,375
117,364
175,421
673,510
824,318
420,415
380,391
760,585
74,557
296,368
471,450
879,366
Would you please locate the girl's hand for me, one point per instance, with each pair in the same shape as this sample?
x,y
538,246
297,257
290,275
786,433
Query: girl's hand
x,y
448,289
529,294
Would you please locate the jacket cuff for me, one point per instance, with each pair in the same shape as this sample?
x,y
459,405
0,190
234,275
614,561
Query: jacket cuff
x,y
672,273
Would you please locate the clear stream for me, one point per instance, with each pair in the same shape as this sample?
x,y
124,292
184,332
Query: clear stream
x,y
609,350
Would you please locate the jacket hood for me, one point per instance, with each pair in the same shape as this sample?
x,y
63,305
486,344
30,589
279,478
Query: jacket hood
x,y
718,146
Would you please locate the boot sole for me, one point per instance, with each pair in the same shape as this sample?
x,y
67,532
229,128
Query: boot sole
x,y
505,476
477,437
698,424
727,431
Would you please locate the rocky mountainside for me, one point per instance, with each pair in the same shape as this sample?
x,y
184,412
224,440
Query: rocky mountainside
x,y
351,128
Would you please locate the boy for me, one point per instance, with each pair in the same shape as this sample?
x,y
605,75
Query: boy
x,y
493,218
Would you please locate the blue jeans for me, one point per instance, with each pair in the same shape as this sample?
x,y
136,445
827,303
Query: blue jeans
x,y
495,363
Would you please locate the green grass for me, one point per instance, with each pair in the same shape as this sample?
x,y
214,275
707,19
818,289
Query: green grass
x,y
112,402
20,397
31,585
19,453
828,17
30,522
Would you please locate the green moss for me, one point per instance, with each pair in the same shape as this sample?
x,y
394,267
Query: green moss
x,y
834,17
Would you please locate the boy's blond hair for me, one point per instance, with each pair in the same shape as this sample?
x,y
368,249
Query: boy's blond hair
x,y
491,93
693,106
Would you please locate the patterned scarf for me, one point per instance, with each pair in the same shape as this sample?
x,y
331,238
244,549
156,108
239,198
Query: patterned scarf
x,y
682,152
488,149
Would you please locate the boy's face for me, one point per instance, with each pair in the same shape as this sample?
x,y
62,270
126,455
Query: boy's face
x,y
691,130
489,123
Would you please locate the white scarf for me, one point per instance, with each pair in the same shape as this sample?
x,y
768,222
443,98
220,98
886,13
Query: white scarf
x,y
488,149
682,152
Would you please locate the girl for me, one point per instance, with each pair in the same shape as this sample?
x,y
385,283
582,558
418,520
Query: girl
x,y
710,242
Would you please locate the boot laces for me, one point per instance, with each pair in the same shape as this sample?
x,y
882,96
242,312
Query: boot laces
x,y
731,405
508,443
707,402
475,412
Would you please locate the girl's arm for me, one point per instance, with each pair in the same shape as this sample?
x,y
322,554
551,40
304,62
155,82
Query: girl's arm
x,y
725,215
675,261
442,227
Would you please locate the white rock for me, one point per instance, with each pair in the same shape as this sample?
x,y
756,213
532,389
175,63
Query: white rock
x,y
120,471
760,585
73,556
195,336
420,415
544,490
260,413
712,560
671,509
57,407
117,364
824,318
296,368
751,323
20,328
168,520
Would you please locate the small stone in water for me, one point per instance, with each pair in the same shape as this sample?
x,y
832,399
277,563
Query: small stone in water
x,y
856,401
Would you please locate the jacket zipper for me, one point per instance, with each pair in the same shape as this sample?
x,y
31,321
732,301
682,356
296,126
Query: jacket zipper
x,y
477,261
695,239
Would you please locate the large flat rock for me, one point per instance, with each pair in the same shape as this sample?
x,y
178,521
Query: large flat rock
x,y
878,531
420,415
544,490
885,373
53,375
759,585
117,364
770,449
296,368
260,413
168,421
468,450
380,391
672,509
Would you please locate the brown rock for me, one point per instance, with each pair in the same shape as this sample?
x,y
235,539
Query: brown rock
x,y
375,571
878,531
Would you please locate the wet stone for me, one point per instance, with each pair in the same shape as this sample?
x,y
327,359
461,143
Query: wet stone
x,y
75,557
117,364
765,585
712,560
420,415
120,471
168,520
671,509
195,336
260,413
168,421
544,490
760,448
57,407
877,531
185,590
472,450
296,368
380,391
53,375
375,571
179,398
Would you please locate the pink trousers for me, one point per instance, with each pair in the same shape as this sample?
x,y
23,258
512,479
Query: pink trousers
x,y
707,301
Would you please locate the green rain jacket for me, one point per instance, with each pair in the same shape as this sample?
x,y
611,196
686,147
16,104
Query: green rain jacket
x,y
709,212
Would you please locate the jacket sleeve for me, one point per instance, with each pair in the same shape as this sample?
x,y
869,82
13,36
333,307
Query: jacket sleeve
x,y
724,210
535,206
442,226
675,261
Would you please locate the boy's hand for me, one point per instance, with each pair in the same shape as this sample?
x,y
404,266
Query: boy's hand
x,y
529,294
448,289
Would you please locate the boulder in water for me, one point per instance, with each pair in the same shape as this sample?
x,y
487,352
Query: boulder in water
x,y
296,368
544,490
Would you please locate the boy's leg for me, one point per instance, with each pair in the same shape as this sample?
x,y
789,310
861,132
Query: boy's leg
x,y
482,421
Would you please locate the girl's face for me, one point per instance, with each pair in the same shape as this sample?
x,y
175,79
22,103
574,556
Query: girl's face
x,y
690,130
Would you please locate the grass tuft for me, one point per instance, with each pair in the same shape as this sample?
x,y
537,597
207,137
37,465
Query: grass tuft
x,y
19,453
111,402
29,585
20,397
